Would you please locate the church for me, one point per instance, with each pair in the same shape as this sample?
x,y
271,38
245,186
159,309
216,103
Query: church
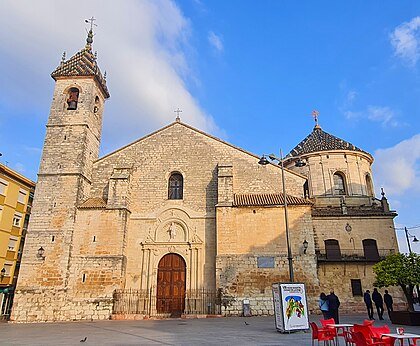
x,y
182,223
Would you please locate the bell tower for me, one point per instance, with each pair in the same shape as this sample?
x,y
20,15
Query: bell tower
x,y
71,146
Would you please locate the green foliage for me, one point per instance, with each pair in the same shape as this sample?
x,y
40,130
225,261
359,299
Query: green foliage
x,y
398,270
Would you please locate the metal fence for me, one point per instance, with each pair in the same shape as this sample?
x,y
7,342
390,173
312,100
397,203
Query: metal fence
x,y
353,255
145,302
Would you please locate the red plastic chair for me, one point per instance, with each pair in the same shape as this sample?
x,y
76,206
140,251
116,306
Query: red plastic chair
x,y
360,340
377,332
365,331
320,334
348,338
326,325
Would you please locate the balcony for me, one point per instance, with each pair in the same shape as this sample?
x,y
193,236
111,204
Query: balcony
x,y
353,255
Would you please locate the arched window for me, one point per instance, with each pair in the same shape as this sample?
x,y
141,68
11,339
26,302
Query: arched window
x,y
306,189
175,186
370,249
339,184
73,98
369,186
332,249
96,107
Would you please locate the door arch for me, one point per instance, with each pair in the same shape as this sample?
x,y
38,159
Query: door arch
x,y
171,285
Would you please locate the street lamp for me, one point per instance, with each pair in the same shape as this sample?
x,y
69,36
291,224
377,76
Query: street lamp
x,y
299,163
408,236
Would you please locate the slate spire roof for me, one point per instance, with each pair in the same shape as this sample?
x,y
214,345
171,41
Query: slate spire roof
x,y
319,140
83,63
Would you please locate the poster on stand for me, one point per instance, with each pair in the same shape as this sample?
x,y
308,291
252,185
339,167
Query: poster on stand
x,y
290,307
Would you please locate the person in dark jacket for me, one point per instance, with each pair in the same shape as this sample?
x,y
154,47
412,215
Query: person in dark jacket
x,y
388,302
368,302
333,305
379,303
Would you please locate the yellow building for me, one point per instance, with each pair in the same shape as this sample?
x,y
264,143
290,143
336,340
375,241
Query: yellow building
x,y
16,194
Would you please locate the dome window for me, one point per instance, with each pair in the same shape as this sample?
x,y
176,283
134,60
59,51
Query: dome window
x,y
339,184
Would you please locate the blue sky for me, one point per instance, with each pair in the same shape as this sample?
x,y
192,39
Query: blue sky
x,y
250,72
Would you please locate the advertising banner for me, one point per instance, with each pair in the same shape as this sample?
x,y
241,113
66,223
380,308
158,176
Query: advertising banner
x,y
290,307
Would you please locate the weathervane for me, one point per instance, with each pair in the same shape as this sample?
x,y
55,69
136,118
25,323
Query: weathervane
x,y
315,114
177,114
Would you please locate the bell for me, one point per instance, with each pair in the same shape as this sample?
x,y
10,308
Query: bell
x,y
72,105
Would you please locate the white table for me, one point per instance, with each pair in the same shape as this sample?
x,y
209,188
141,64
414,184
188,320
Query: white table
x,y
402,337
344,326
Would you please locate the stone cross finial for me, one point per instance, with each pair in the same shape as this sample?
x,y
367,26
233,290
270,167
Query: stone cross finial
x,y
177,111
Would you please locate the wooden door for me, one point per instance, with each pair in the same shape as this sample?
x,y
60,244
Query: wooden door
x,y
332,249
171,285
370,249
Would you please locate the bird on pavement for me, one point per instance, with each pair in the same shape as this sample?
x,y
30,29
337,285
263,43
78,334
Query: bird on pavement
x,y
246,323
83,340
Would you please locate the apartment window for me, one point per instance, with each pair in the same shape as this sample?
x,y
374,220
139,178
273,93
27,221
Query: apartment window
x,y
356,287
22,196
8,267
12,244
332,249
370,249
16,220
3,187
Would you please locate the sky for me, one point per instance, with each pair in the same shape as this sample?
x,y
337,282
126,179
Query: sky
x,y
249,72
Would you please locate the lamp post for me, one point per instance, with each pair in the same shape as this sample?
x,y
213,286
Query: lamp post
x,y
408,236
299,163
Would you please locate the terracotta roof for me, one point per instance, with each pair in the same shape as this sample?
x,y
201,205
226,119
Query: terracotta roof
x,y
93,203
244,200
83,63
352,211
319,140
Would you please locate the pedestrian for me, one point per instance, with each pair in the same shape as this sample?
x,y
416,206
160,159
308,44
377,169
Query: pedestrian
x,y
379,303
368,302
323,305
333,305
388,302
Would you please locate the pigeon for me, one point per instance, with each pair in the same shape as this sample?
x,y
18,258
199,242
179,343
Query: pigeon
x,y
83,340
246,323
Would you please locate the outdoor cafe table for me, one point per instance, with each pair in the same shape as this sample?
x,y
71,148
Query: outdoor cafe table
x,y
402,337
337,326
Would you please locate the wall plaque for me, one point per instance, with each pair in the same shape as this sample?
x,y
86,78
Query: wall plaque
x,y
265,262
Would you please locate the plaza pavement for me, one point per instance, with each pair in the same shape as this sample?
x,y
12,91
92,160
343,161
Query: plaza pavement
x,y
208,331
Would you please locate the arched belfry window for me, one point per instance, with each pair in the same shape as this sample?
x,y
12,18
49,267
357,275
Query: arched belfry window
x,y
175,186
369,186
339,184
72,99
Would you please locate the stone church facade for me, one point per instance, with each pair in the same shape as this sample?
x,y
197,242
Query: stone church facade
x,y
179,212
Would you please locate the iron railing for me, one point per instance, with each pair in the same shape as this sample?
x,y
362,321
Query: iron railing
x,y
145,302
353,255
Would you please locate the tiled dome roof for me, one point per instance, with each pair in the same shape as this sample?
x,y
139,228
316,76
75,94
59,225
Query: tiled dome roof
x,y
83,63
319,140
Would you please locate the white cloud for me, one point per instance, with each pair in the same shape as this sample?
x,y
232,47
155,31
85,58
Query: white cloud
x,y
384,115
215,41
397,169
406,41
351,96
143,45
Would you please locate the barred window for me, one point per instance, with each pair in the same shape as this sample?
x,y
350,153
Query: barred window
x,y
175,186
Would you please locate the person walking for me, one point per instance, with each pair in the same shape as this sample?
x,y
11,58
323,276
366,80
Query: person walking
x,y
369,305
388,302
323,305
333,305
379,303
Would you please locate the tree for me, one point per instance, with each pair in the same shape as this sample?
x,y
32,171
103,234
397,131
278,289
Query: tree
x,y
399,270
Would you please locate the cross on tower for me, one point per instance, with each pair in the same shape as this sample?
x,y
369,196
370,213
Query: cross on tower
x,y
177,114
91,21
315,114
